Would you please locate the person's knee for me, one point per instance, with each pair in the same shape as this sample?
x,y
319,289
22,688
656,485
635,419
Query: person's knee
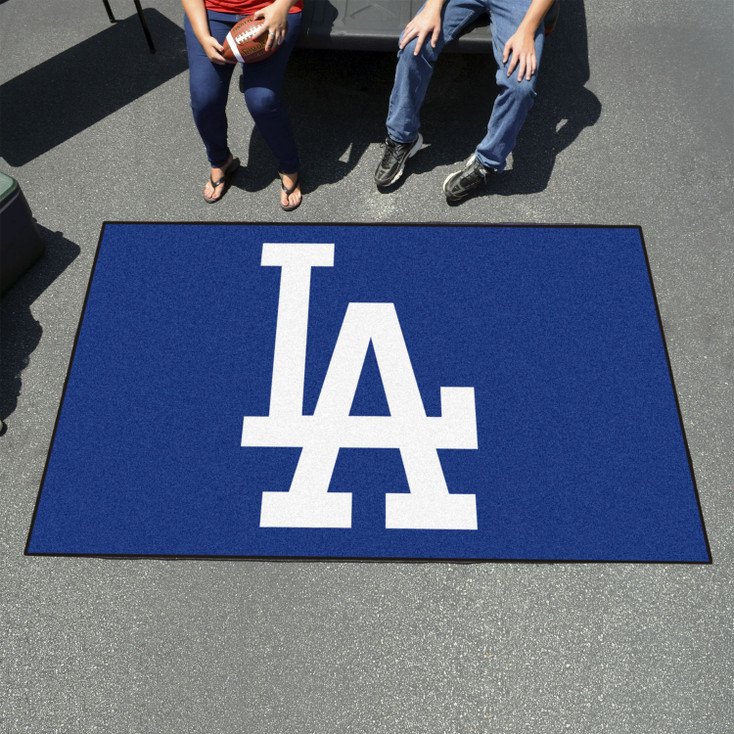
x,y
261,101
204,102
427,54
520,92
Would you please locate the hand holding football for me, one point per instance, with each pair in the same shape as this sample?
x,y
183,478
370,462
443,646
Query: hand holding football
x,y
246,41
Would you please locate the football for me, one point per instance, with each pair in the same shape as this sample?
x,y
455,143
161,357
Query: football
x,y
246,42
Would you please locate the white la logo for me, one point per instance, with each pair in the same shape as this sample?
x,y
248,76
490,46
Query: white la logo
x,y
308,503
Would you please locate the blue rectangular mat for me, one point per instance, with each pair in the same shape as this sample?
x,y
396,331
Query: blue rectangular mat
x,y
370,392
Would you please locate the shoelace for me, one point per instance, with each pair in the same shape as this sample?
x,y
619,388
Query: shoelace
x,y
392,148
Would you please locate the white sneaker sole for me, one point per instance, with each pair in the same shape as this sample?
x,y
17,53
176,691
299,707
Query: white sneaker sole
x,y
469,161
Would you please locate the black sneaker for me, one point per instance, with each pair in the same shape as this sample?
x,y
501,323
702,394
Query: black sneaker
x,y
394,158
463,182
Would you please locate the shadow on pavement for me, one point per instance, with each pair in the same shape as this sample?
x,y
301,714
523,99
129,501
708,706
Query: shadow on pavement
x,y
338,102
563,109
54,101
21,333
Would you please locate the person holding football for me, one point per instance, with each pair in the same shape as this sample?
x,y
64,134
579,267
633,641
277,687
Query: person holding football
x,y
518,32
206,26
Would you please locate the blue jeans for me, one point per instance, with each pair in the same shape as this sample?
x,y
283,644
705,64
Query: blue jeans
x,y
262,81
514,100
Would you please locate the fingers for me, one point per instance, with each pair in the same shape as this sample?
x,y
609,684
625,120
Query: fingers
x,y
512,65
214,51
521,68
276,37
421,27
506,52
526,67
411,33
419,43
525,61
408,35
276,31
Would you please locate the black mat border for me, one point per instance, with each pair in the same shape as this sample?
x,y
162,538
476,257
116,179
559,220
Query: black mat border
x,y
362,559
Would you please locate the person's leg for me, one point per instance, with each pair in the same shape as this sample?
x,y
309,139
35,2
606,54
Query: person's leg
x,y
413,73
513,102
262,84
209,86
515,98
412,77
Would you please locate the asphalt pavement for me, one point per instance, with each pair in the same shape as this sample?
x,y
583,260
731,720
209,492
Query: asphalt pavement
x,y
633,126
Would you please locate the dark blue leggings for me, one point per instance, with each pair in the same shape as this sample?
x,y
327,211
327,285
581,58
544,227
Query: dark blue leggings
x,y
209,86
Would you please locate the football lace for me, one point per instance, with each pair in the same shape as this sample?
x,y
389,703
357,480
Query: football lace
x,y
247,35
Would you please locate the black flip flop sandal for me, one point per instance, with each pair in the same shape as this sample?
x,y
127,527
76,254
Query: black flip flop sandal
x,y
224,180
288,192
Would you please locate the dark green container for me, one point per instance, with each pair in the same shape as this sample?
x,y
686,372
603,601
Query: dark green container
x,y
20,243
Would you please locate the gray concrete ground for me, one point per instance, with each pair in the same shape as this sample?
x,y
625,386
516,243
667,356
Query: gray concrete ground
x,y
633,126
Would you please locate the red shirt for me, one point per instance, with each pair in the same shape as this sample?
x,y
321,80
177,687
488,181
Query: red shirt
x,y
245,7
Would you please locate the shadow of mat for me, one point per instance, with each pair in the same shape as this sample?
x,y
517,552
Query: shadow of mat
x,y
54,101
